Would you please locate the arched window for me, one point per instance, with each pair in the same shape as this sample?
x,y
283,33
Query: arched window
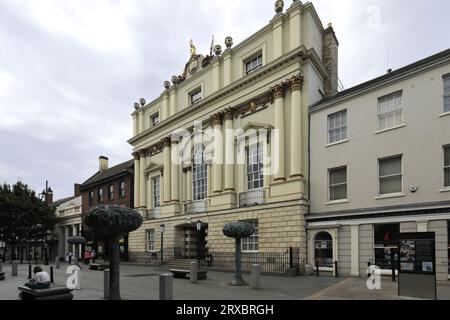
x,y
199,174
323,245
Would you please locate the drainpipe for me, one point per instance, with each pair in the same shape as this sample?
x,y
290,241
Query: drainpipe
x,y
309,180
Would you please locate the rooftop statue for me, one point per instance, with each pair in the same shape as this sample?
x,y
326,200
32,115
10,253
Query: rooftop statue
x,y
193,48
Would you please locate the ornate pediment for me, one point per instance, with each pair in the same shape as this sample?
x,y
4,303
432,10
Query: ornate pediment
x,y
153,167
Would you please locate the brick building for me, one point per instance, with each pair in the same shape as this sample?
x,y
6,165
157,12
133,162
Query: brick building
x,y
109,186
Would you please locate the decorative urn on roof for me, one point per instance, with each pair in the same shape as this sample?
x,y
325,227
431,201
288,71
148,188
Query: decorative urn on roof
x,y
167,85
218,50
279,6
229,42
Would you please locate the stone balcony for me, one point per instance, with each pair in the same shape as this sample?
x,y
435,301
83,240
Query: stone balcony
x,y
252,198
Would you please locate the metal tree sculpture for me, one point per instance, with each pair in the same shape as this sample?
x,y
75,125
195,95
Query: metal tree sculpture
x,y
113,222
238,230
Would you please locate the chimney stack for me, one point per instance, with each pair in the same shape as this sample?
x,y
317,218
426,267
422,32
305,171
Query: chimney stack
x,y
330,60
103,163
77,191
48,194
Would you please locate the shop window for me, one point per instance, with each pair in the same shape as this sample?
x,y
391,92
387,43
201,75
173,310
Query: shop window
x,y
323,248
386,245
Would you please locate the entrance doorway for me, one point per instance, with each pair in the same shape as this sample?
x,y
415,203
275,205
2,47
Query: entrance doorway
x,y
323,245
192,242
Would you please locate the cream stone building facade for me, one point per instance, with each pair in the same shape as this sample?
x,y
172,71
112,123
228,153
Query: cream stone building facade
x,y
261,87
69,222
380,166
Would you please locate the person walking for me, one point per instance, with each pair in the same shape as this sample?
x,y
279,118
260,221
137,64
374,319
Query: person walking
x,y
87,257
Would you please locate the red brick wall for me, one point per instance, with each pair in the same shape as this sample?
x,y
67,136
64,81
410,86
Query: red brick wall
x,y
127,201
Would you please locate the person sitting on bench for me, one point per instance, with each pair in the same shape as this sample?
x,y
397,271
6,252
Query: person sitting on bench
x,y
40,281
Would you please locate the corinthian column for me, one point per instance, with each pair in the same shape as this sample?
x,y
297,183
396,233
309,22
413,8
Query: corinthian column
x,y
296,85
218,153
175,183
137,179
229,150
278,94
167,169
142,180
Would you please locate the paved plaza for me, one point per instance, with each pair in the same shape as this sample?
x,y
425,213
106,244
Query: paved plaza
x,y
142,283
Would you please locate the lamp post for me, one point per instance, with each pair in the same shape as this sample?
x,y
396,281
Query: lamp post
x,y
162,228
199,228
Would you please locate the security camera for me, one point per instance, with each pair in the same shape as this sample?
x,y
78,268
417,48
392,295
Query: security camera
x,y
413,189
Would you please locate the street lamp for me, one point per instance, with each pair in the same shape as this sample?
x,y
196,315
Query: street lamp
x,y
162,228
199,228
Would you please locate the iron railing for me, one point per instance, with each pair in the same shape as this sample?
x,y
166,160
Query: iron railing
x,y
268,261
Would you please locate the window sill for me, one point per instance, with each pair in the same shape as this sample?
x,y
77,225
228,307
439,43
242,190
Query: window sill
x,y
445,114
249,251
444,190
337,143
390,129
330,203
391,196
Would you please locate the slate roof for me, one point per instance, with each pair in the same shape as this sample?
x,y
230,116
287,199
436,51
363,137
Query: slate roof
x,y
418,64
59,202
118,170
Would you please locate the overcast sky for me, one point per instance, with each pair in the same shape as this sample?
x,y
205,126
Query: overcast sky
x,y
70,70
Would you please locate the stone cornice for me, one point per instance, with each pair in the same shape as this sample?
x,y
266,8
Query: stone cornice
x,y
298,53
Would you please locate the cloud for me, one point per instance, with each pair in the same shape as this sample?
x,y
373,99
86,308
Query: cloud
x,y
71,70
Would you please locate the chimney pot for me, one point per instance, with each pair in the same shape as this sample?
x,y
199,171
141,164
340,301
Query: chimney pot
x,y
103,163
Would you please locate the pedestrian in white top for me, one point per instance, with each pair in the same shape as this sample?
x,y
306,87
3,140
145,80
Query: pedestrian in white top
x,y
41,280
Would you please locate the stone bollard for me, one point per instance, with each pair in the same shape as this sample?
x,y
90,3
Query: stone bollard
x,y
78,280
14,269
255,282
193,275
166,287
57,263
106,284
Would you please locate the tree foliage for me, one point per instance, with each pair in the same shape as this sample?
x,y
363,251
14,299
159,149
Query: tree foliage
x,y
24,217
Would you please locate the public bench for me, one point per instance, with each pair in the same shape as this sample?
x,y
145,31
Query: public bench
x,y
56,293
98,266
185,274
2,276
